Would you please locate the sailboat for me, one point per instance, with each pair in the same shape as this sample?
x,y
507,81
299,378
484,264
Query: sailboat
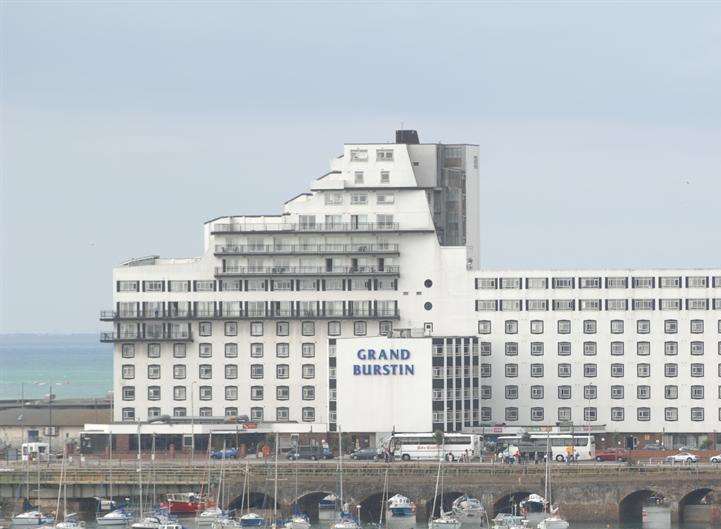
x,y
117,516
345,519
31,516
446,520
554,520
70,520
249,519
215,514
298,520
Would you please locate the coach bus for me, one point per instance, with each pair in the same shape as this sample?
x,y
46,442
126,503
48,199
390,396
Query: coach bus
x,y
560,445
424,446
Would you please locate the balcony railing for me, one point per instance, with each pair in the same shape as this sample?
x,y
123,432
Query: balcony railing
x,y
166,335
283,227
304,270
230,314
305,249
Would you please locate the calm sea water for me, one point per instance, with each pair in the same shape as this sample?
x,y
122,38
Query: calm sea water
x,y
80,359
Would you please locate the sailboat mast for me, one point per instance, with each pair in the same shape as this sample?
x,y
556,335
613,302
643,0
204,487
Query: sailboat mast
x,y
140,474
110,458
546,489
60,488
340,464
275,483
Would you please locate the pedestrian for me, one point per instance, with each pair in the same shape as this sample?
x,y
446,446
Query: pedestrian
x,y
576,455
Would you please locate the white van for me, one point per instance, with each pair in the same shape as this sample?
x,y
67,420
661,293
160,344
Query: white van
x,y
35,451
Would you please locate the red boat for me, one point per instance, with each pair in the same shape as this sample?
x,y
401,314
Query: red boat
x,y
186,503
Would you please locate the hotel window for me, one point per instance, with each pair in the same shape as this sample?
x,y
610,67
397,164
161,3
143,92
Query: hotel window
x,y
511,414
643,282
536,348
484,327
308,414
486,392
697,414
670,370
282,414
511,348
127,286
128,414
511,392
589,304
669,304
644,304
205,350
617,349
589,348
256,392
231,285
617,414
307,284
256,308
590,392
282,393
590,370
589,282
333,198
486,283
206,393
589,326
256,350
563,282
179,393
643,348
670,326
128,350
511,370
564,304
358,177
670,282
617,370
510,282
282,328
670,414
564,348
670,392
616,326
697,282
385,177
385,198
616,304
716,281
564,370
333,328
536,392
180,412
564,326
696,326
231,392
697,370
205,286
153,371
282,371
510,305
153,286
384,155
359,328
231,350
128,372
564,414
643,326
616,282
179,372
256,414
359,199
384,221
153,350
534,283
231,328
282,350
308,371
696,304
536,304
231,371
333,394
564,392
256,328
486,305
643,392
643,370
308,393
153,412
205,371
205,411
696,348
670,348
697,392
536,326
485,370
536,370
590,414
385,328
128,392
536,414
256,371
205,328
617,392
486,414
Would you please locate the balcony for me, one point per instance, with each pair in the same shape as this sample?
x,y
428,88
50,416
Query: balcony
x,y
111,315
288,227
307,249
305,270
166,336
234,314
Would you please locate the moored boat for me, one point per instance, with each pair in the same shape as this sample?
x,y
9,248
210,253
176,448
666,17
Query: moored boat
x,y
251,519
400,513
186,503
118,518
469,511
327,508
298,521
32,518
445,521
508,521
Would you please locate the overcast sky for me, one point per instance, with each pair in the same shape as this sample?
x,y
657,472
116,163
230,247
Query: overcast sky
x,y
126,126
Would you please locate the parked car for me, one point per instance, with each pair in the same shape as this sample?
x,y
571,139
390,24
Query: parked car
x,y
653,446
367,454
228,453
715,459
313,453
682,457
612,454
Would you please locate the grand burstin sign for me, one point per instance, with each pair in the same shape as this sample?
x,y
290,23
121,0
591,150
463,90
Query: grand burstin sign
x,y
383,362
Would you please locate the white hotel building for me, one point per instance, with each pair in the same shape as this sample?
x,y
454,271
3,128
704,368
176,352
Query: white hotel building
x,y
276,318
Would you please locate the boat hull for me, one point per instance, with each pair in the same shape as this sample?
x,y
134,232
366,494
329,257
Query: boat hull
x,y
403,521
445,524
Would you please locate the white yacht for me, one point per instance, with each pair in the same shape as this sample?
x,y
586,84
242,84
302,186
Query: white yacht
x,y
469,511
445,521
553,521
298,521
117,518
32,518
400,513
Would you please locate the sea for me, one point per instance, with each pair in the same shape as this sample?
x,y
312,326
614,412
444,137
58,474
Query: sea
x,y
78,364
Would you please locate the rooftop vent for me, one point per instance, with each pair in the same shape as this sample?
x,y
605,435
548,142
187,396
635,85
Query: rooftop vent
x,y
407,136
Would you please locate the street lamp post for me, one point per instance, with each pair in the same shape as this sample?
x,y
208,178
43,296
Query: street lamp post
x,y
51,398
192,421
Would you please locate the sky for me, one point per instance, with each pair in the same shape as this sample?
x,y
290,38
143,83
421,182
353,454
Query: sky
x,y
126,125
